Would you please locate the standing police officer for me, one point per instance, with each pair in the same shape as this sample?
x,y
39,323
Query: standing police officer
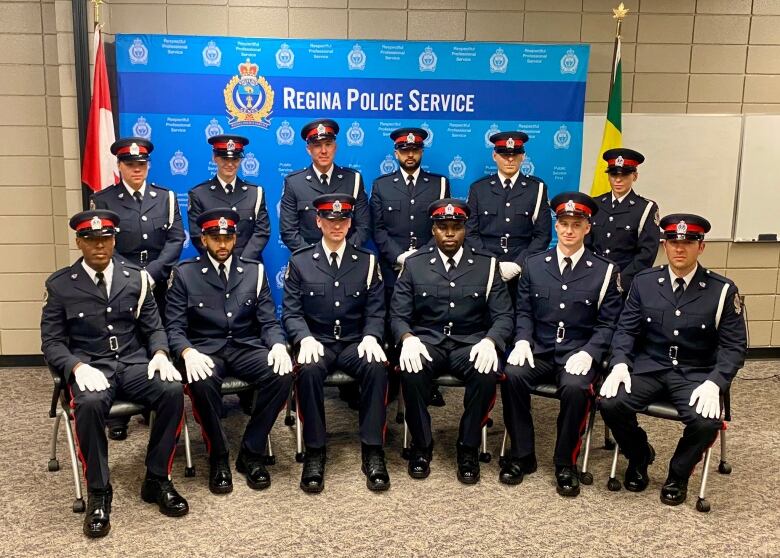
x,y
297,220
221,322
151,235
568,302
510,216
334,310
681,336
626,227
98,327
226,189
451,314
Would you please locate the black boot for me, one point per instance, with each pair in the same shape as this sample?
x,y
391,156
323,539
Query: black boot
x,y
253,466
313,474
515,468
568,480
220,477
468,464
637,479
97,521
420,462
160,491
375,468
675,490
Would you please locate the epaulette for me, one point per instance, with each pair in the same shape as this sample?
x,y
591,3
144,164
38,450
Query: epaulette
x,y
650,270
303,249
249,260
293,173
535,256
718,276
196,259
363,250
478,251
131,265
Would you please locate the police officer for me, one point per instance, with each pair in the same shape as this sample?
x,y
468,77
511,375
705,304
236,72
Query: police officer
x,y
222,323
297,219
226,189
680,336
509,210
333,311
626,227
98,326
450,313
151,235
568,302
399,209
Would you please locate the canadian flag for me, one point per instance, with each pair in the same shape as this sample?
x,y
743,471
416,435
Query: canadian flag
x,y
99,169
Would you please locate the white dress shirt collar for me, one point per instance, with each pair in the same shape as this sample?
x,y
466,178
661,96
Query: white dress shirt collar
x,y
339,252
108,274
575,257
130,191
224,184
415,175
688,278
457,256
227,263
512,178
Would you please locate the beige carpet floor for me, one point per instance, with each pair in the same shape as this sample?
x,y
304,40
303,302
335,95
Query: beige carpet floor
x,y
435,517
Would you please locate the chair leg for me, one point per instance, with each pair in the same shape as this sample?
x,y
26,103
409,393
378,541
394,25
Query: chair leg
x,y
585,476
702,504
54,464
152,418
405,449
613,485
78,504
288,411
724,468
270,458
484,454
298,439
502,453
189,469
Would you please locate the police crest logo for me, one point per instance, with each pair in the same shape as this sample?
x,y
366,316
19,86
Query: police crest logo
x,y
429,140
619,161
410,138
356,58
449,210
494,129
142,129
285,135
682,227
570,206
355,135
527,166
499,62
171,278
337,206
285,57
179,164
562,138
569,62
282,275
213,129
250,166
737,304
212,56
388,165
457,167
138,53
249,97
428,60
96,224
134,149
510,143
45,296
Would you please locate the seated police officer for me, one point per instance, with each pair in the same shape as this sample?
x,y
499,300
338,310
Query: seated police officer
x,y
98,327
221,322
227,189
681,337
451,313
334,311
151,235
568,302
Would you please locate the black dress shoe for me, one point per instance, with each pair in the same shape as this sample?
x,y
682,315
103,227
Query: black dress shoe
x,y
419,466
97,521
468,464
568,481
313,474
253,466
117,432
516,468
637,479
220,477
162,492
375,468
437,399
674,491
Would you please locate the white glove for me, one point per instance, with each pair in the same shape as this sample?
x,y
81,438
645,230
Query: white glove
x,y
279,358
198,365
168,372
90,378
708,395
402,257
412,351
508,270
369,346
311,350
579,363
486,357
521,353
619,375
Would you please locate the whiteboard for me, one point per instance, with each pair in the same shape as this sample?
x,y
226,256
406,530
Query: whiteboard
x,y
759,186
692,162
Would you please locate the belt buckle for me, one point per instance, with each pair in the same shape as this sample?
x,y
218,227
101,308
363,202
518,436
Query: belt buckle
x,y
504,242
673,352
113,343
447,330
336,331
144,256
412,243
560,333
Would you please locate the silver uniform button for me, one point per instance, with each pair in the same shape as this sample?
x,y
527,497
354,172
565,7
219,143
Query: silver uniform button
x,y
337,303
674,362
564,287
452,305
452,284
144,218
336,284
145,236
230,314
560,324
507,219
311,293
649,319
562,305
200,305
227,295
411,202
81,314
606,251
676,332
233,208
110,327
411,217
609,235
677,312
508,204
108,309
338,322
611,219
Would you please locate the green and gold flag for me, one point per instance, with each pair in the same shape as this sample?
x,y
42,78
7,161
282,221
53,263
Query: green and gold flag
x,y
612,127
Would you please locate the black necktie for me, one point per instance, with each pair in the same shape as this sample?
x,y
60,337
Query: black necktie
x,y
451,266
679,289
229,188
410,183
222,274
324,179
507,184
566,268
101,283
138,197
615,203
334,263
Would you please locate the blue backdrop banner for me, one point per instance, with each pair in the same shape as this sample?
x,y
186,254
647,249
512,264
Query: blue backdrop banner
x,y
180,90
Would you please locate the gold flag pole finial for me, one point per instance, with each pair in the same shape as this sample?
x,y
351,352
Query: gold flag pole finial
x,y
96,11
619,14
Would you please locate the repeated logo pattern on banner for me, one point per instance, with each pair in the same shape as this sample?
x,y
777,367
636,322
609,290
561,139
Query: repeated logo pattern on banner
x,y
180,90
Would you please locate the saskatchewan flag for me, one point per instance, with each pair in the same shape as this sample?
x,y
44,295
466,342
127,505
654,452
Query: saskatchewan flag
x,y
612,127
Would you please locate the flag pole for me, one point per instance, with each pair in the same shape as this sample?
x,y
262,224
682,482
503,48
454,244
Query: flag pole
x,y
618,14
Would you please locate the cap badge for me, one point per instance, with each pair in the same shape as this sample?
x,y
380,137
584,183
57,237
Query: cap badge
x,y
510,143
619,161
231,145
449,210
337,206
223,223
134,149
570,205
410,138
320,129
682,227
96,224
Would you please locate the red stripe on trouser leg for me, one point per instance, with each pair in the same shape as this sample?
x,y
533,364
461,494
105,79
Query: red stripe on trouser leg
x,y
384,426
76,436
722,427
195,414
583,424
175,443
